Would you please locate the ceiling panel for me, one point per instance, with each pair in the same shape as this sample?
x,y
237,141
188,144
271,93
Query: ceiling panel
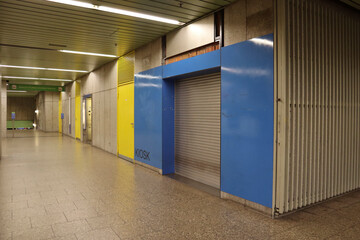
x,y
35,29
32,82
353,3
21,94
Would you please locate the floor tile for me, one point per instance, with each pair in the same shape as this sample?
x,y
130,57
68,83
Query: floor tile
x,y
99,234
47,220
63,229
68,190
34,234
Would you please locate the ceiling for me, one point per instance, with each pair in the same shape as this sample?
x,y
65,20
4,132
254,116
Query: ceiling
x,y
32,30
353,3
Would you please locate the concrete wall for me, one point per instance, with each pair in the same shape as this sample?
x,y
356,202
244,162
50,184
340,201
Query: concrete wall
x,y
3,104
47,103
2,115
68,108
102,85
24,108
246,19
148,56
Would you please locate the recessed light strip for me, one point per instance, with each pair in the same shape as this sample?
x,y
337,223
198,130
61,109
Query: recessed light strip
x,y
42,68
88,53
38,79
118,11
16,91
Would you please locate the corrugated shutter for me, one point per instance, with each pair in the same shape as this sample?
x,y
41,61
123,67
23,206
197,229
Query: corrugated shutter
x,y
197,129
318,108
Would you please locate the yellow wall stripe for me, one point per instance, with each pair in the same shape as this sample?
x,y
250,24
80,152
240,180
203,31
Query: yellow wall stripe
x,y
77,111
126,68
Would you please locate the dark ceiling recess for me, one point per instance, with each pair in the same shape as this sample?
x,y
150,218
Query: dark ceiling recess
x,y
353,3
57,45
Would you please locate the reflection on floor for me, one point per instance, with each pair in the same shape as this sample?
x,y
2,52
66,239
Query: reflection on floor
x,y
29,133
58,188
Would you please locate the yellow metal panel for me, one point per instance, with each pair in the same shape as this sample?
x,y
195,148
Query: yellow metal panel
x,y
125,120
126,66
77,111
60,111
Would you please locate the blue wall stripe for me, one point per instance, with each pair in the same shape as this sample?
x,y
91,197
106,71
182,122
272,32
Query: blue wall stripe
x,y
205,61
148,117
247,86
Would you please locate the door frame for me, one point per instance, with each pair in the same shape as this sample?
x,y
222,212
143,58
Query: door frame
x,y
84,120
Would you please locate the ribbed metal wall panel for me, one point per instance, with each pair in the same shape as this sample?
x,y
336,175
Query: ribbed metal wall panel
x,y
197,129
318,73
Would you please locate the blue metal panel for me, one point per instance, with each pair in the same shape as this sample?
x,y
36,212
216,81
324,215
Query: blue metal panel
x,y
168,127
148,117
247,120
199,63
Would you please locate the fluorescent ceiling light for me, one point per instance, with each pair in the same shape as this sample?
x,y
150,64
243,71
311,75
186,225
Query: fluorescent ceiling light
x,y
16,91
88,53
41,79
118,11
42,68
74,3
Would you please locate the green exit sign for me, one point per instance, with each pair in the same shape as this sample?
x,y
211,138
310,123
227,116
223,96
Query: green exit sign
x,y
24,87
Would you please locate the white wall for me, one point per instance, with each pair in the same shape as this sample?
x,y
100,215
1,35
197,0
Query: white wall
x,y
192,36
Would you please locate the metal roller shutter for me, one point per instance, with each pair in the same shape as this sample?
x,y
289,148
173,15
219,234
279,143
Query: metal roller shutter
x,y
197,129
318,153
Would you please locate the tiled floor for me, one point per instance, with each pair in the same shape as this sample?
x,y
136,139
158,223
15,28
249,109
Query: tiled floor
x,y
58,188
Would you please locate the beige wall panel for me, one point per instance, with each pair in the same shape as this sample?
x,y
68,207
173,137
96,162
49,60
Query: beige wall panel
x,y
148,56
98,84
101,118
192,36
47,115
96,123
65,106
72,116
3,108
113,74
107,121
113,122
55,116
